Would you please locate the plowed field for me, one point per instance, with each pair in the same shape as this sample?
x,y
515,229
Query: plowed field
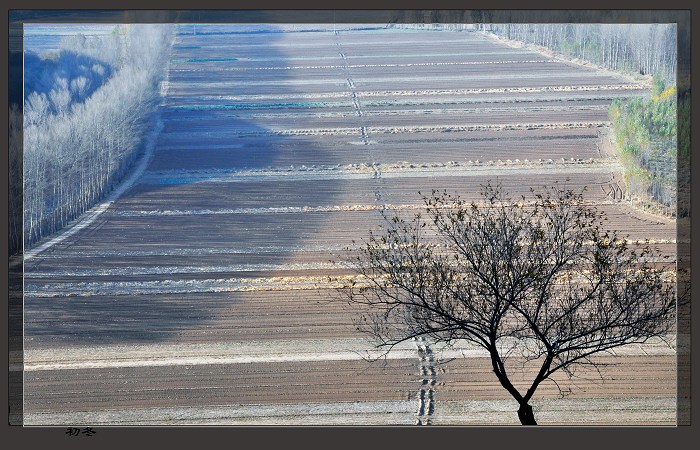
x,y
200,295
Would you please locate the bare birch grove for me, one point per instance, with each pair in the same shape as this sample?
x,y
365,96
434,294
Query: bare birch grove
x,y
75,151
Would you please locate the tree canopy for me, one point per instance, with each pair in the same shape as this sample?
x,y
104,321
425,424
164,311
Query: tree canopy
x,y
645,131
537,280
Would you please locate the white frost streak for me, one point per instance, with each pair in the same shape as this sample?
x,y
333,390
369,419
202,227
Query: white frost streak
x,y
153,270
572,411
199,251
399,170
196,361
228,211
150,355
336,413
439,92
367,66
352,131
127,288
369,80
301,350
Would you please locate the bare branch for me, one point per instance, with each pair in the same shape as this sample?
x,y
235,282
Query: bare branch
x,y
541,282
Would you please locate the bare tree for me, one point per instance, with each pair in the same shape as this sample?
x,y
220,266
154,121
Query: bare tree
x,y
538,281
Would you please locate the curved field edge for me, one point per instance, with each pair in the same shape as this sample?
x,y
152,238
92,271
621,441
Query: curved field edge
x,y
76,157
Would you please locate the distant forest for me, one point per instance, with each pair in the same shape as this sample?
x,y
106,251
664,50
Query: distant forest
x,y
645,49
86,111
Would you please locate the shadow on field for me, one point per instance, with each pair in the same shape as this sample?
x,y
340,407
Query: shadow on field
x,y
216,117
83,75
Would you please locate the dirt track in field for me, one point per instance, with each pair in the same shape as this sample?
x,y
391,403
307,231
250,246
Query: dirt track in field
x,y
200,295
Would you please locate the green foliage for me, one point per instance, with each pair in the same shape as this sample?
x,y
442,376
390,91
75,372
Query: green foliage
x,y
684,128
645,132
645,129
684,151
570,47
658,85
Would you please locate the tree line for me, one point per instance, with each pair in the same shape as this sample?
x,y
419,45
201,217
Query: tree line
x,y
646,49
77,147
645,130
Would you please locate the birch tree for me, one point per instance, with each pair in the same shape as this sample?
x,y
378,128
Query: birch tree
x,y
76,148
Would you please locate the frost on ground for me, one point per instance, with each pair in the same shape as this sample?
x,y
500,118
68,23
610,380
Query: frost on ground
x,y
127,288
154,269
246,352
199,251
596,411
336,413
438,93
586,411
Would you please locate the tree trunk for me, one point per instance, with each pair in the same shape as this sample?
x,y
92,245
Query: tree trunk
x,y
525,414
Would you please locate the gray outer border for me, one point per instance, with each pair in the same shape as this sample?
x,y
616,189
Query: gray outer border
x,y
454,435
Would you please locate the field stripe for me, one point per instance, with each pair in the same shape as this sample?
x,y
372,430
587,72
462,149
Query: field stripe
x,y
371,80
210,285
430,169
338,413
372,66
579,411
245,131
302,350
394,94
575,411
151,355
